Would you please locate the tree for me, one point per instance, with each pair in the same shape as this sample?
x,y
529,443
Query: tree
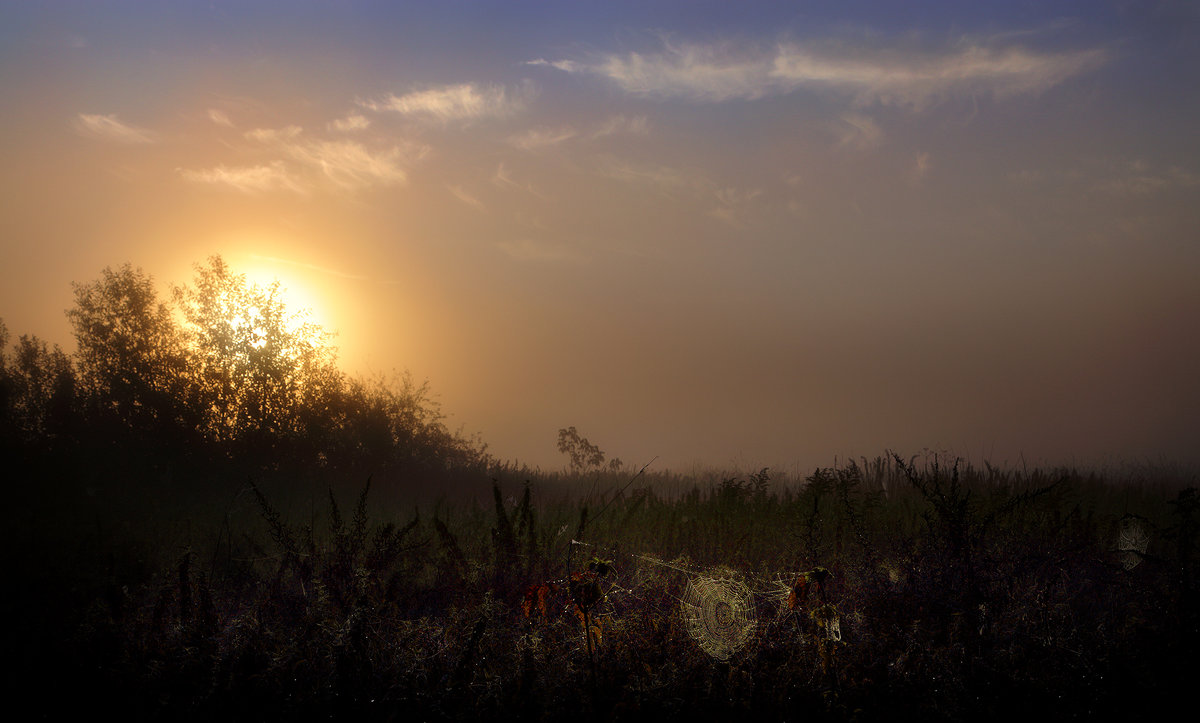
x,y
37,390
131,359
582,454
255,364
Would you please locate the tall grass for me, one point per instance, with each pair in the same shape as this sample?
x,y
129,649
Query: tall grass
x,y
960,593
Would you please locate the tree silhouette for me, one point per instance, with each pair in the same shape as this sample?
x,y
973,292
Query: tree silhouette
x,y
37,391
131,359
254,364
582,454
223,382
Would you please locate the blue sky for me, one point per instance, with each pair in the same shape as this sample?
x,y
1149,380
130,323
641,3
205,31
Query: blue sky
x,y
727,234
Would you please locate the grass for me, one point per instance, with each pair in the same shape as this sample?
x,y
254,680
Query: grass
x,y
959,592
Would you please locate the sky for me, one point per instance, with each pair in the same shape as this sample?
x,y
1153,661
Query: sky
x,y
714,235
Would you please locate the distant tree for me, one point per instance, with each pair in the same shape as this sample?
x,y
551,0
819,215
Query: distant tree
x,y
582,454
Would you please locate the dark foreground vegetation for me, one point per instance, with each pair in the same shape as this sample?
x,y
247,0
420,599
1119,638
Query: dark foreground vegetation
x,y
953,597
190,534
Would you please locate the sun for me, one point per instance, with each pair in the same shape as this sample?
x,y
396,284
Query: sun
x,y
303,303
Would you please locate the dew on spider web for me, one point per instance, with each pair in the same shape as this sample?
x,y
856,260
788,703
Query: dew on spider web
x,y
719,614
1132,542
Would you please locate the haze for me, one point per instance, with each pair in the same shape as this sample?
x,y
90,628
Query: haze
x,y
722,234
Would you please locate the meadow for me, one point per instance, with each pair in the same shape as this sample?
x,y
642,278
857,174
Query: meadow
x,y
875,590
205,518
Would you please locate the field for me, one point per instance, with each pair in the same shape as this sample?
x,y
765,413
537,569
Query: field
x,y
884,589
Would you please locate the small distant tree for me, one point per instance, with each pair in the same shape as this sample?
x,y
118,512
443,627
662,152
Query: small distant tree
x,y
582,454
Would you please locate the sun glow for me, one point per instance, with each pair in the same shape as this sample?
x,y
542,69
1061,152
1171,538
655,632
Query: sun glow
x,y
304,305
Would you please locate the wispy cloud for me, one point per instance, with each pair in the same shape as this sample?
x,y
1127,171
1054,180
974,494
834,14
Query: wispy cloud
x,y
636,125
466,198
569,66
731,202
110,128
462,102
920,169
219,117
351,165
1122,178
274,135
915,79
869,74
663,178
857,132
503,179
1138,178
542,137
347,163
247,179
726,203
697,72
352,122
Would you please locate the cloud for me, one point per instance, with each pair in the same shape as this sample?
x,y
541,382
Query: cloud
x,y
730,202
109,128
916,79
1137,178
347,163
274,135
219,117
536,138
504,179
869,74
350,164
857,132
352,122
462,102
920,169
569,66
542,137
664,178
247,179
636,125
1122,178
696,72
466,198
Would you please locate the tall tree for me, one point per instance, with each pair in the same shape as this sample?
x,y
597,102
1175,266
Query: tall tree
x,y
256,365
131,359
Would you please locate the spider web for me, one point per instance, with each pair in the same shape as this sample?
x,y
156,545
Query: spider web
x,y
1132,542
719,614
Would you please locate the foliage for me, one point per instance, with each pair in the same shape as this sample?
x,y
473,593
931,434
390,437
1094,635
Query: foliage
x,y
37,390
176,547
222,379
132,361
582,454
454,617
257,366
